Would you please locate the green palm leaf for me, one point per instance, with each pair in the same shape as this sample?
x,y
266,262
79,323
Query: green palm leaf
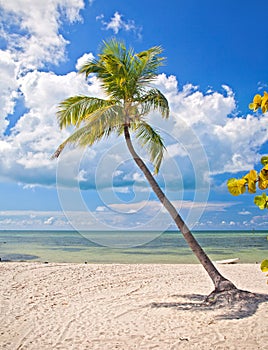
x,y
152,141
77,108
100,124
123,73
154,100
124,76
149,62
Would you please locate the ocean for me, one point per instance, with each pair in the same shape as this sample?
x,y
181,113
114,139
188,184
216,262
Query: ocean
x,y
151,247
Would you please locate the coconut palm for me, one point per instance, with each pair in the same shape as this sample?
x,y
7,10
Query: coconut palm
x,y
125,77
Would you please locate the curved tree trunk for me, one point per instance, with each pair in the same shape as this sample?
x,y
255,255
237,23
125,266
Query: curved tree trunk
x,y
220,283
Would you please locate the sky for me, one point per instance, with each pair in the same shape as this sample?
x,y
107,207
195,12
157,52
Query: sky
x,y
216,61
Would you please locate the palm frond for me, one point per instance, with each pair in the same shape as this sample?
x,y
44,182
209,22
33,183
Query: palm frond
x,y
111,67
100,125
152,141
73,110
123,73
148,64
154,100
90,67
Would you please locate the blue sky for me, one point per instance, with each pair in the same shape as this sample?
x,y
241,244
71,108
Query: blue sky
x,y
216,61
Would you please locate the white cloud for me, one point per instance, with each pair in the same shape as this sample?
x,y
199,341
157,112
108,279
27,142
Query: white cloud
x,y
244,212
241,139
8,87
175,150
37,220
32,42
192,132
231,144
81,176
36,135
118,173
122,190
117,23
198,127
138,177
100,209
155,206
140,215
82,60
49,221
37,40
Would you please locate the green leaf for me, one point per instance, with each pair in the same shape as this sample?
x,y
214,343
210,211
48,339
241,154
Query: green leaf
x,y
100,124
154,100
264,160
151,139
126,78
77,108
261,201
264,265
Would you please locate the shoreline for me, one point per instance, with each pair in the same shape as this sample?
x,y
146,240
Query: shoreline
x,y
125,306
216,263
168,247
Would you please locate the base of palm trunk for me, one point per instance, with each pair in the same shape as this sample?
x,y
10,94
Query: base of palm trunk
x,y
234,298
226,294
224,285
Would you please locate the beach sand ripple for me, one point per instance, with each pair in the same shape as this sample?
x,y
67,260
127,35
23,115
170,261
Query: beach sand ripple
x,y
84,306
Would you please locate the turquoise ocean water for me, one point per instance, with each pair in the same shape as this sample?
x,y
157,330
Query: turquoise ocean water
x,y
167,247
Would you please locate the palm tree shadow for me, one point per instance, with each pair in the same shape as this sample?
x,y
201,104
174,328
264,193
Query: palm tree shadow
x,y
243,305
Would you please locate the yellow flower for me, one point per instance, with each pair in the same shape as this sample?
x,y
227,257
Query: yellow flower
x,y
263,184
260,102
261,201
264,104
256,104
264,172
264,265
251,178
236,186
263,178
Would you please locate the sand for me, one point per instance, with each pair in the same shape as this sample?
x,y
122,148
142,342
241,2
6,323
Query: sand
x,y
83,306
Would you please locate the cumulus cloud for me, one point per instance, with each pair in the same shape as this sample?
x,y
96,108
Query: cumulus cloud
x,y
239,142
8,87
30,33
117,23
231,144
82,60
37,40
26,151
174,150
200,136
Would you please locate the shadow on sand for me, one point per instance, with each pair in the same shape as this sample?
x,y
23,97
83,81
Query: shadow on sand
x,y
233,308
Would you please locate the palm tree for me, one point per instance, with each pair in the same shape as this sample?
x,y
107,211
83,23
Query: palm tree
x,y
125,78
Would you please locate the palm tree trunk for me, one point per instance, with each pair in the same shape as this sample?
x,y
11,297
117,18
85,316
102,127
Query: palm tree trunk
x,y
220,282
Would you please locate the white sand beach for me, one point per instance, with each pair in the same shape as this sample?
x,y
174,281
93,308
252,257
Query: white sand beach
x,y
83,306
